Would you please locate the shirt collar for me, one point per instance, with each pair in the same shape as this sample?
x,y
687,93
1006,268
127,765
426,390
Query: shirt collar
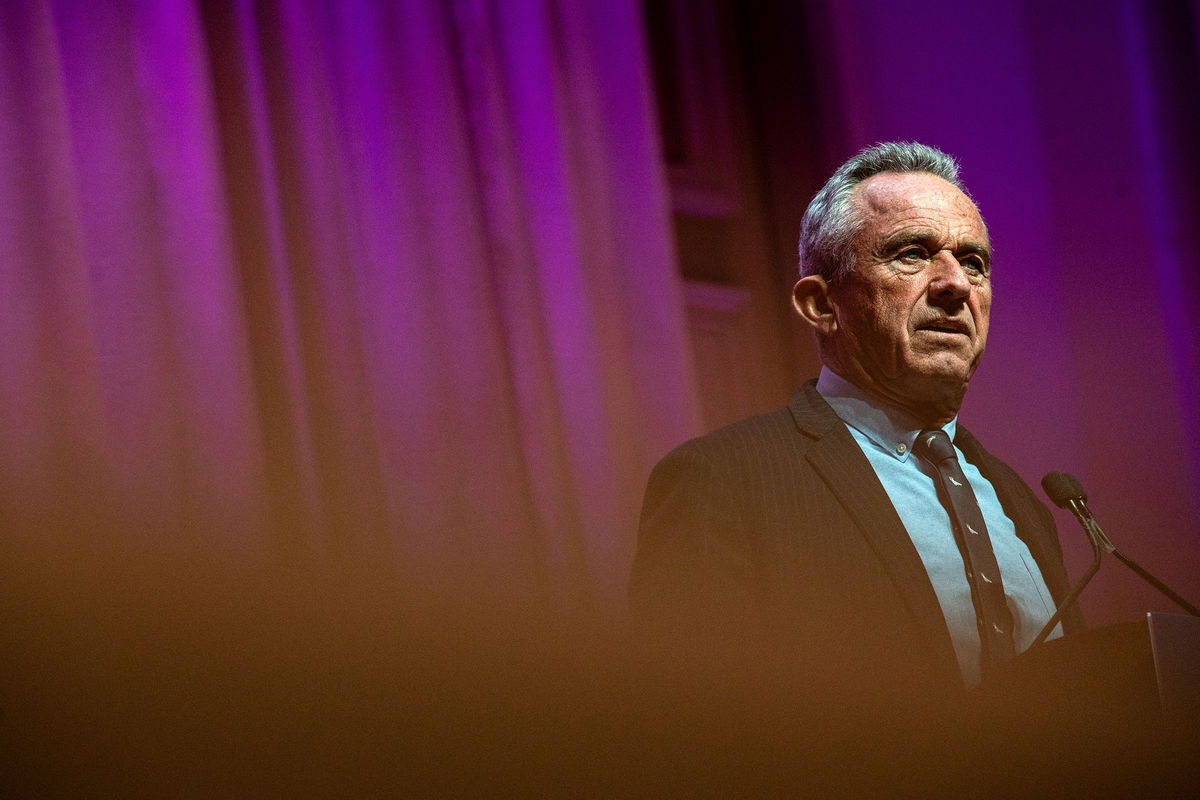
x,y
892,430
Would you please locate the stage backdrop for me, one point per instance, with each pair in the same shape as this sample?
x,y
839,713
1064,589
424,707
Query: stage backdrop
x,y
370,280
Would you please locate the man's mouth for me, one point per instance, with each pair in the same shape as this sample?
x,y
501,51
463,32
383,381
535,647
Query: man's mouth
x,y
946,326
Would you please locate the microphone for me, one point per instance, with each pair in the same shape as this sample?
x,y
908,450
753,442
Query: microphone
x,y
1065,491
1062,488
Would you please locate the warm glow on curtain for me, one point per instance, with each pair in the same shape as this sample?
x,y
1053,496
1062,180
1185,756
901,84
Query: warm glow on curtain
x,y
375,279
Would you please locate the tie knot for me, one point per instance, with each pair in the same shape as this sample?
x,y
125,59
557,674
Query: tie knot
x,y
935,446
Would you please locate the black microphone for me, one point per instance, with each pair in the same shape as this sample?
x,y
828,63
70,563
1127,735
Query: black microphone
x,y
1062,488
1067,492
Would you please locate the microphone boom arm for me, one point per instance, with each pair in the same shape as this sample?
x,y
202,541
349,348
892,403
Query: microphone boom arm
x,y
1156,583
1099,539
1100,543
1066,492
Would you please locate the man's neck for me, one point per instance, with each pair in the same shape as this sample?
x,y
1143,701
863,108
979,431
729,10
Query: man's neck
x,y
834,381
932,405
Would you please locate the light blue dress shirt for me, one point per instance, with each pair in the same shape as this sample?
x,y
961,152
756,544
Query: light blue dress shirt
x,y
886,435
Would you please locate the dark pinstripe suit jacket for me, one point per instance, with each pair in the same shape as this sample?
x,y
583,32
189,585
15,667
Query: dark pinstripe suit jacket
x,y
778,524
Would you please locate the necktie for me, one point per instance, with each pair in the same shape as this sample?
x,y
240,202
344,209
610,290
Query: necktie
x,y
983,574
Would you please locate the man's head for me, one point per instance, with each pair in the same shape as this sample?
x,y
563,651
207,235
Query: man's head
x,y
895,278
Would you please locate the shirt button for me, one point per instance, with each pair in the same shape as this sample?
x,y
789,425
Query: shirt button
x,y
902,448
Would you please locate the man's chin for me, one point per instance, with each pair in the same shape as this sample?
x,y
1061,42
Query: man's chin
x,y
945,368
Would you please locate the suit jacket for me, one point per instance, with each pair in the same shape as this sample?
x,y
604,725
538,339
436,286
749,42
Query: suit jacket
x,y
776,530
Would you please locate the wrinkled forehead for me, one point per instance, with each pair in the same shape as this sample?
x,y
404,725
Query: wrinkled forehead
x,y
916,197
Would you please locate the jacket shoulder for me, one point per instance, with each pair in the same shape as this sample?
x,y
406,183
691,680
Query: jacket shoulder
x,y
740,443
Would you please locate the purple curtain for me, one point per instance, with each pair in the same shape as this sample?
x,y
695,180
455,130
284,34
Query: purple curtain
x,y
381,280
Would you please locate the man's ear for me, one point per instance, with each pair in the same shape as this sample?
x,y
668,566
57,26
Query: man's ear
x,y
810,298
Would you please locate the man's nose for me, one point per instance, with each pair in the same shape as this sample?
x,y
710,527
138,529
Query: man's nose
x,y
949,282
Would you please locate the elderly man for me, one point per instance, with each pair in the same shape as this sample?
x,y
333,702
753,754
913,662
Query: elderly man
x,y
862,529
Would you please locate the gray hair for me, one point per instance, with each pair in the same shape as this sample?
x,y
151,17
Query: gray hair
x,y
830,223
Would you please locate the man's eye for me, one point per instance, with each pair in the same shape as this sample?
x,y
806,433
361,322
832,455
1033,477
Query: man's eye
x,y
974,264
912,254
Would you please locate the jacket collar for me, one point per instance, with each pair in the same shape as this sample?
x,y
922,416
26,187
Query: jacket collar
x,y
837,458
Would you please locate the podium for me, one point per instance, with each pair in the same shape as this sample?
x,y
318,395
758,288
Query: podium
x,y
1144,673
1115,707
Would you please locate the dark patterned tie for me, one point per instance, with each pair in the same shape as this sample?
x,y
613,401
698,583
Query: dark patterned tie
x,y
987,590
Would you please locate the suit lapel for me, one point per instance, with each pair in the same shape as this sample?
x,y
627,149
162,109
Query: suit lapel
x,y
1030,529
841,464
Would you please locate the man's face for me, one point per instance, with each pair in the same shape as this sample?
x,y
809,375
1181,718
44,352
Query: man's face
x,y
911,319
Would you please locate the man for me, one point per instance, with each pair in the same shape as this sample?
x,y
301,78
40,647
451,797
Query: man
x,y
845,530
